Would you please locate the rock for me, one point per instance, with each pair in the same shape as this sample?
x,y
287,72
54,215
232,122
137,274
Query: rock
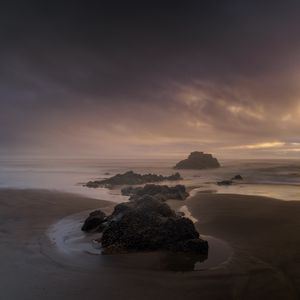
x,y
130,190
148,203
177,230
198,160
192,246
230,182
141,230
92,184
237,177
225,182
161,192
131,178
94,221
175,176
148,224
121,209
135,231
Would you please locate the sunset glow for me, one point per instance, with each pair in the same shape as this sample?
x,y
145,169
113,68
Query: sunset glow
x,y
115,94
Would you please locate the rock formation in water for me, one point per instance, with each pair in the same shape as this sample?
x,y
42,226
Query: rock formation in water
x,y
231,181
225,182
148,224
131,178
160,192
198,160
237,177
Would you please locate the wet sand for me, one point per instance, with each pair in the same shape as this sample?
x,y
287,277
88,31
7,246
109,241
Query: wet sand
x,y
265,236
263,232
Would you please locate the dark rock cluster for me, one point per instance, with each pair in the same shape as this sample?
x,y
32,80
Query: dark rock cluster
x,y
198,160
225,182
147,224
231,181
237,177
160,192
131,178
94,221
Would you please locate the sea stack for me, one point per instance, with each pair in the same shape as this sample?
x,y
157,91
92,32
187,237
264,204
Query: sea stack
x,y
197,161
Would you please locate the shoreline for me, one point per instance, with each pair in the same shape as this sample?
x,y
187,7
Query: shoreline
x,y
255,270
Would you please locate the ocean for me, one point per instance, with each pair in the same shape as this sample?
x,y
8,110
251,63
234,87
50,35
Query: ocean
x,y
273,178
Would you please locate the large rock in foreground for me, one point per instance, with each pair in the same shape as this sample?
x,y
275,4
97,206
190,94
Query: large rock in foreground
x,y
160,192
148,224
131,178
198,160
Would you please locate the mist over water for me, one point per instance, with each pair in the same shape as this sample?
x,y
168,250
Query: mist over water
x,y
273,178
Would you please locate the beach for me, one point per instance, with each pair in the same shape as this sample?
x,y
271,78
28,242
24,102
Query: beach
x,y
263,233
150,150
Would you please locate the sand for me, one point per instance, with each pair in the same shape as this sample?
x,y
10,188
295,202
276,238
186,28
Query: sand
x,y
263,233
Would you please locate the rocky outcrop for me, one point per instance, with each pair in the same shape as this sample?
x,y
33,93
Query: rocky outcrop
x,y
148,224
225,182
94,221
231,181
237,177
131,178
198,160
160,192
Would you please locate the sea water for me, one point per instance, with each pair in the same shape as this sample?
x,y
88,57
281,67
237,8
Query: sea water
x,y
273,178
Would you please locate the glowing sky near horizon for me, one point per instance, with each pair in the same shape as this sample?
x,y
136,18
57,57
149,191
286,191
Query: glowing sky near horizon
x,y
129,79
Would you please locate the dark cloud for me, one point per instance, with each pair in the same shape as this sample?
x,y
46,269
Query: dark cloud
x,y
174,75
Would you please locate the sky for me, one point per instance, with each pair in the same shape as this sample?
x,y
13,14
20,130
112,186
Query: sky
x,y
150,78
